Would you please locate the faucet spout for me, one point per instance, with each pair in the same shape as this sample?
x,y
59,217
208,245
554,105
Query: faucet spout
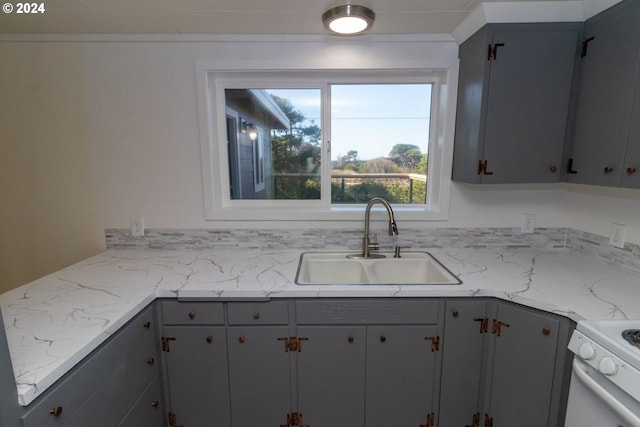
x,y
393,227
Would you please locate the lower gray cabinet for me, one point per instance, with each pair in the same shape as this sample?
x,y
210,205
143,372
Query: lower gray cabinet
x,y
331,375
259,375
503,365
195,359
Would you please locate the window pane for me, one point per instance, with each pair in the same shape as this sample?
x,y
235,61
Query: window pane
x,y
274,143
379,142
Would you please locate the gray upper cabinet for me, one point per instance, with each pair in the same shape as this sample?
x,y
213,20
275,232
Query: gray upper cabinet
x,y
514,96
606,144
9,408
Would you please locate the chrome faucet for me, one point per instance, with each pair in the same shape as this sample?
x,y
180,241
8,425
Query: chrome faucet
x,y
367,246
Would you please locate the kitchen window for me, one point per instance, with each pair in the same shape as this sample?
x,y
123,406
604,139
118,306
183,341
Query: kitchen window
x,y
319,145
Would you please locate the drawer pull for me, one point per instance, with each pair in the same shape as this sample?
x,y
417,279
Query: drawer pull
x,y
455,313
631,171
546,331
256,315
241,339
155,403
553,169
350,339
56,411
209,339
608,169
150,361
146,325
383,338
192,315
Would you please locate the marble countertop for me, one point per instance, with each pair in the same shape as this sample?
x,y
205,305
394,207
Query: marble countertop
x,y
54,322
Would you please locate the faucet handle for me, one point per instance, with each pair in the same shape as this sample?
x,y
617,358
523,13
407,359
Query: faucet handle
x,y
396,250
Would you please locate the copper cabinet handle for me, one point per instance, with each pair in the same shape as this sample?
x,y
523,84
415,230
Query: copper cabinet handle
x,y
56,411
455,313
146,325
608,169
546,331
256,315
631,170
150,361
192,315
209,339
383,338
241,339
350,339
155,403
553,169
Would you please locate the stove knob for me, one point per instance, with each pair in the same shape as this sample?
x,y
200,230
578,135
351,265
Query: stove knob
x,y
607,366
587,352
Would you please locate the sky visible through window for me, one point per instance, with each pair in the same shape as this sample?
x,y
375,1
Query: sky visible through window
x,y
369,118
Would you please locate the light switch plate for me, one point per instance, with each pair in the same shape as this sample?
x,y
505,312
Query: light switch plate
x,y
616,238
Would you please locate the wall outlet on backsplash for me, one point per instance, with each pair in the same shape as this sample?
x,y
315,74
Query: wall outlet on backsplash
x,y
137,226
528,223
616,236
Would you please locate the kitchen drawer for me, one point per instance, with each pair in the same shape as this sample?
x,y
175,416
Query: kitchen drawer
x,y
258,313
192,313
148,410
367,311
74,389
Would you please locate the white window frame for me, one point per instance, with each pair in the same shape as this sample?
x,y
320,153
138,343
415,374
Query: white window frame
x,y
219,206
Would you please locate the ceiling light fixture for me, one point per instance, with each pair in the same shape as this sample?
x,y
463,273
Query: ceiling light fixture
x,y
348,19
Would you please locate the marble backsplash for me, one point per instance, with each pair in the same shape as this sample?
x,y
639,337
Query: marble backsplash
x,y
587,244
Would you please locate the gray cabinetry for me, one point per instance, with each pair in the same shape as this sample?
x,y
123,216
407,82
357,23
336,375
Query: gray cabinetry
x,y
194,352
108,386
9,408
606,144
504,365
259,363
514,95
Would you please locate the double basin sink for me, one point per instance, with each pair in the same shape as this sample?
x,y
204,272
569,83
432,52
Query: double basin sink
x,y
336,268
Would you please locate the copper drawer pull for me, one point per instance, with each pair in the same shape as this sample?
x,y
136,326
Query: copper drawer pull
x,y
192,315
256,315
455,313
546,331
155,403
150,361
383,338
241,339
56,411
209,339
146,325
553,169
608,169
631,171
350,339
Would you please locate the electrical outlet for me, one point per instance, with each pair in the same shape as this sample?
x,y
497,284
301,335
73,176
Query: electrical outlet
x,y
616,238
137,226
528,224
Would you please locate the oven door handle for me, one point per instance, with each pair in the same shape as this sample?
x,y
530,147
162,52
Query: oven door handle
x,y
623,412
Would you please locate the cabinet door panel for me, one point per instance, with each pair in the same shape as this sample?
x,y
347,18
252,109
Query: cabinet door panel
x,y
197,375
606,96
259,375
631,167
401,375
523,368
331,376
463,362
528,107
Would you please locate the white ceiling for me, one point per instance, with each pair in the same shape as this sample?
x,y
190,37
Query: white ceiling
x,y
231,16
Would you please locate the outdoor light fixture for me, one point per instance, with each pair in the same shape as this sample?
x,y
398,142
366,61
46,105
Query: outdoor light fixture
x,y
252,131
348,19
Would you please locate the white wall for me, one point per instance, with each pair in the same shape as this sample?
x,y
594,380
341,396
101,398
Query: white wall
x,y
141,127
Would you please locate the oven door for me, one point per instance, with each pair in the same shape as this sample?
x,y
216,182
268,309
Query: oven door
x,y
595,401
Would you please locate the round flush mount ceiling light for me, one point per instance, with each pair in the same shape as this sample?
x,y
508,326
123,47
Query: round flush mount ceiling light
x,y
348,19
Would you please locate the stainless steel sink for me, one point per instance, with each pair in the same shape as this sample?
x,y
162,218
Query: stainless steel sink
x,y
335,268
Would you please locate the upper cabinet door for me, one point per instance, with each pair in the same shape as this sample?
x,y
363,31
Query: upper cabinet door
x,y
610,50
514,97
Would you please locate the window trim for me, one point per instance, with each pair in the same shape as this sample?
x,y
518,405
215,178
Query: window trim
x,y
218,204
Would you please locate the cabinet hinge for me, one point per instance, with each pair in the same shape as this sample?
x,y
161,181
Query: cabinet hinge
x,y
294,419
172,420
292,343
493,51
482,168
164,342
475,420
496,326
488,421
583,50
484,324
431,420
435,343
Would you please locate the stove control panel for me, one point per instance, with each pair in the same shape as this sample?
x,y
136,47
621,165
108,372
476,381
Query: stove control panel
x,y
607,363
